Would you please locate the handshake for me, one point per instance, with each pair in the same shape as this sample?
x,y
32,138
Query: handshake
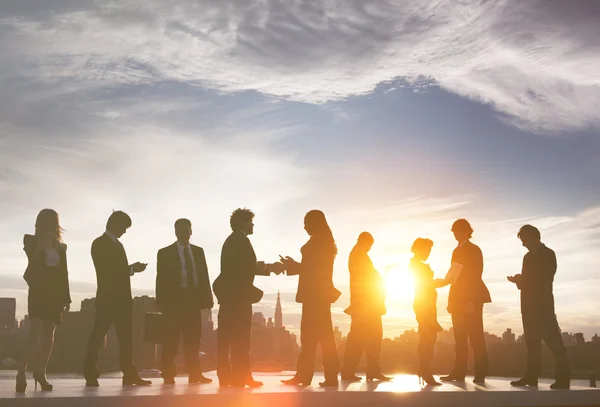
x,y
284,264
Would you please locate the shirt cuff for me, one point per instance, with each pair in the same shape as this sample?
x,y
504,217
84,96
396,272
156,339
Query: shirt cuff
x,y
131,272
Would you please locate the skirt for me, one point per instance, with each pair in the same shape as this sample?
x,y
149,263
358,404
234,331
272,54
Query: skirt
x,y
44,300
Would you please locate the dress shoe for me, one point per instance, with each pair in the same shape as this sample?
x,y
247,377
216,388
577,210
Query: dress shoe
x,y
380,377
91,382
168,381
135,381
479,380
427,378
295,381
200,379
560,384
329,383
524,382
452,378
254,384
352,378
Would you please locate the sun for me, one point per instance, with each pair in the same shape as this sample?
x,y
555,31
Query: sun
x,y
398,280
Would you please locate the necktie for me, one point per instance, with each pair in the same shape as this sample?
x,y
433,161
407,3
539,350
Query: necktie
x,y
189,267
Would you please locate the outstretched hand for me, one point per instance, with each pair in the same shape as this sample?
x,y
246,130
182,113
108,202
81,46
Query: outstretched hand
x,y
277,268
139,267
516,279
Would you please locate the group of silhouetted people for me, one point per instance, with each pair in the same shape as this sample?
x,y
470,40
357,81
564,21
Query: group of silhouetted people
x,y
183,290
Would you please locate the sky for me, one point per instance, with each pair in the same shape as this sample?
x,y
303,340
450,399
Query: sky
x,y
393,117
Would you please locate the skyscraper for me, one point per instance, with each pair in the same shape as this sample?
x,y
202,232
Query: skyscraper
x,y
278,313
7,312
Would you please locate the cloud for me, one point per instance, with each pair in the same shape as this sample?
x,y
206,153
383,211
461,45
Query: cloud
x,y
535,62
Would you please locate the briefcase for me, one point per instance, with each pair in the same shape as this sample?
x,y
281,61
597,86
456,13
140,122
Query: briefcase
x,y
154,327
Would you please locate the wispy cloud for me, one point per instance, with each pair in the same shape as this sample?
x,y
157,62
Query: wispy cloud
x,y
533,61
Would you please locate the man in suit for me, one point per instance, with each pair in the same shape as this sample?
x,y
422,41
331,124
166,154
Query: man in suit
x,y
537,310
182,292
235,291
113,300
367,305
467,295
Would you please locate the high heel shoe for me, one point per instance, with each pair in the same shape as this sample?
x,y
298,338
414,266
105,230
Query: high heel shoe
x,y
21,383
427,378
380,377
45,386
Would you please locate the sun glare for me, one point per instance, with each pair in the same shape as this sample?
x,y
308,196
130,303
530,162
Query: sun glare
x,y
398,282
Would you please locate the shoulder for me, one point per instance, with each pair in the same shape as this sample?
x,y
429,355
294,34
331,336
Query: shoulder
x,y
166,249
29,241
197,249
547,251
63,247
473,248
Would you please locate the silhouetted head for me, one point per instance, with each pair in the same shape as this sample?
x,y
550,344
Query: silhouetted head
x,y
530,236
365,241
462,230
183,230
48,223
242,220
118,223
421,248
316,225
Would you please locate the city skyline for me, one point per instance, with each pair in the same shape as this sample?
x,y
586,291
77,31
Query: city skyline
x,y
392,117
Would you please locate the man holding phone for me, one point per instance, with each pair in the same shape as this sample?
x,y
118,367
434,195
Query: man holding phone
x,y
113,300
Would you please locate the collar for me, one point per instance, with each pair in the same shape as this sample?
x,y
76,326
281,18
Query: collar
x,y
181,246
536,249
463,243
112,237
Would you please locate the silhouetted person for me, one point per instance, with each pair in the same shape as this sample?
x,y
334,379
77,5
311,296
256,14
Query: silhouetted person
x,y
182,292
316,293
367,305
235,291
113,300
537,310
48,281
465,303
425,306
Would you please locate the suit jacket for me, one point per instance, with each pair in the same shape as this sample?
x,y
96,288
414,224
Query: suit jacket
x,y
315,281
55,286
168,278
469,287
235,283
367,294
537,277
112,273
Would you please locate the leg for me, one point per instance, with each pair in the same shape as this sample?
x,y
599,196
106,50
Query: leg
x,y
192,332
461,338
102,321
47,342
123,327
240,345
225,322
30,345
427,339
553,339
354,348
171,345
331,362
477,339
373,345
305,368
533,341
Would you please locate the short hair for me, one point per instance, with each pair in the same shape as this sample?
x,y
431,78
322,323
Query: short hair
x,y
239,217
183,222
529,230
421,244
462,224
366,237
118,219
